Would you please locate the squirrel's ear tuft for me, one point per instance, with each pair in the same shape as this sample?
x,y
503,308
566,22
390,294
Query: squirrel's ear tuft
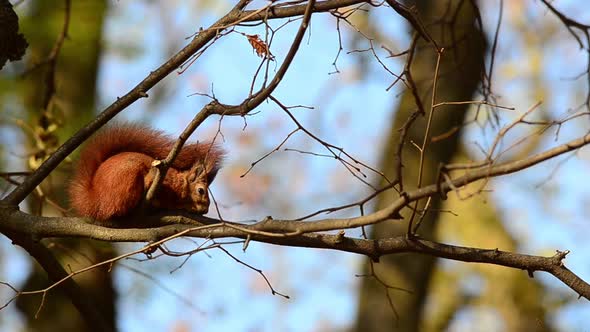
x,y
213,161
211,175
212,168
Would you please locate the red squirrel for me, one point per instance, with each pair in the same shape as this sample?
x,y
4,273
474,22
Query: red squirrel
x,y
115,171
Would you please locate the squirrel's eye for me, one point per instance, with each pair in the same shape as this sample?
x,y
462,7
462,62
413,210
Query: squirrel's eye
x,y
201,191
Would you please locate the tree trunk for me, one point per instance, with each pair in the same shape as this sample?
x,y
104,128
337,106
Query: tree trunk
x,y
461,68
72,105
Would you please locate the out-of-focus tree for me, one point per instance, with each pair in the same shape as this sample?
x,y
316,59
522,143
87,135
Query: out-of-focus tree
x,y
458,25
58,93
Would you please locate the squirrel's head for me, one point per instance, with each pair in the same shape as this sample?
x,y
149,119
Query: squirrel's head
x,y
200,176
188,189
198,187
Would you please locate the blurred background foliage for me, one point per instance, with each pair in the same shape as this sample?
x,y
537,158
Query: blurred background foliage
x,y
112,45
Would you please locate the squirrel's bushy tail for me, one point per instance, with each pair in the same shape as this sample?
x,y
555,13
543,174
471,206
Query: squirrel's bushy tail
x,y
107,143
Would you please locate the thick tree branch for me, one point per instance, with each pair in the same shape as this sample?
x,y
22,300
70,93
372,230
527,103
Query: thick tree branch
x,y
282,11
42,227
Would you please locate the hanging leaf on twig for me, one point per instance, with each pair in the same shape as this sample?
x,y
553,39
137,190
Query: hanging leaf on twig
x,y
261,48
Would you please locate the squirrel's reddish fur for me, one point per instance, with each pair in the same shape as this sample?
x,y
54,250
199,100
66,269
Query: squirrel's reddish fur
x,y
115,171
